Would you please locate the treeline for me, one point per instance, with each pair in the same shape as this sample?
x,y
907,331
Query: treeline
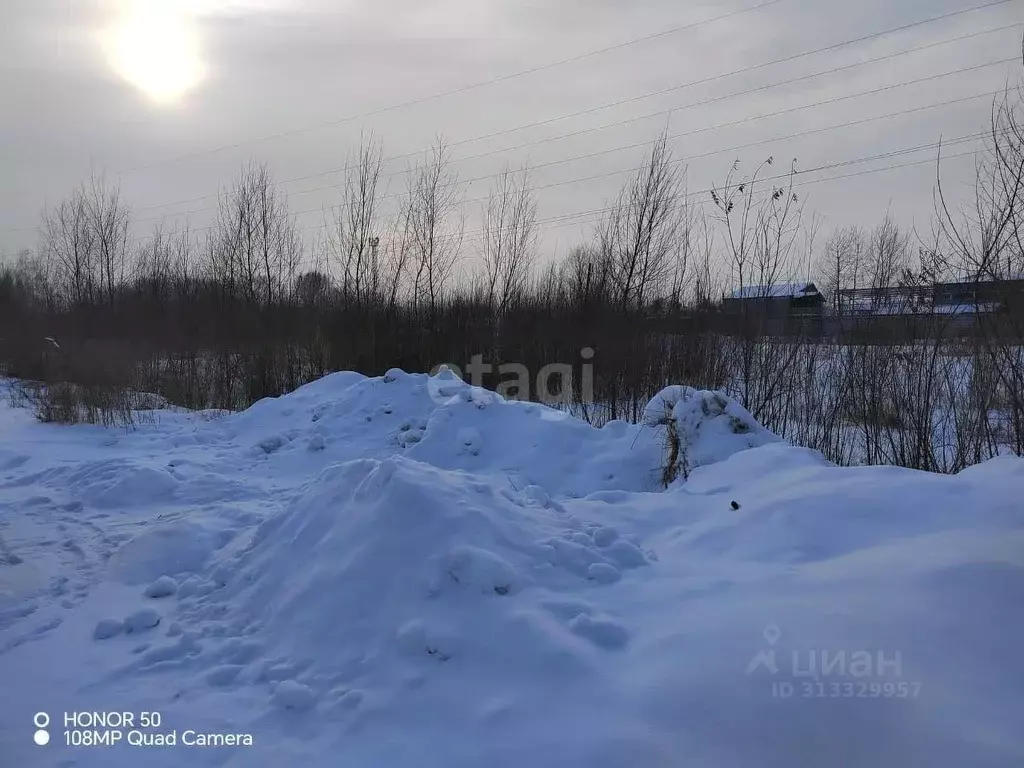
x,y
249,308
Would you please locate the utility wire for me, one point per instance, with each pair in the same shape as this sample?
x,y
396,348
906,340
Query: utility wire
x,y
715,78
566,219
622,147
685,134
477,85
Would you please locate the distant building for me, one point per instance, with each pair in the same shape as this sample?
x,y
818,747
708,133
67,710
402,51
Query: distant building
x,y
925,311
883,301
778,300
978,296
957,298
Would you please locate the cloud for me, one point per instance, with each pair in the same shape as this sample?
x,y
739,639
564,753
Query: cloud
x,y
280,81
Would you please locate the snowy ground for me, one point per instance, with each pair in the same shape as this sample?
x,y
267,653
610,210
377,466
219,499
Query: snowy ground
x,y
404,571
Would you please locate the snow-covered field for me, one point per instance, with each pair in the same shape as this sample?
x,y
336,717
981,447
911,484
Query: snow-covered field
x,y
404,571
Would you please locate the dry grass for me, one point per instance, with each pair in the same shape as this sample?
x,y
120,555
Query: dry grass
x,y
68,403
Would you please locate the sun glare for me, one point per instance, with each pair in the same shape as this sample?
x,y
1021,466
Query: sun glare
x,y
154,46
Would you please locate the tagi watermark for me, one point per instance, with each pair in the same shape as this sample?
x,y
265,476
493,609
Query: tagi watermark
x,y
836,673
554,384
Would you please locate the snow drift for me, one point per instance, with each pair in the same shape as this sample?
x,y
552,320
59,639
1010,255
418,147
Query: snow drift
x,y
406,570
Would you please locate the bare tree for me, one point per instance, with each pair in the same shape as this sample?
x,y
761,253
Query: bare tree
x,y
436,228
587,275
988,244
888,260
109,219
355,239
645,235
509,237
85,240
841,265
740,215
153,264
705,288
398,255
68,244
255,247
761,230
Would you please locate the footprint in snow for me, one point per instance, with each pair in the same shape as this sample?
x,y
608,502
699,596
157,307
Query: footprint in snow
x,y
141,620
223,675
603,632
626,554
10,615
294,696
165,586
346,698
33,634
605,536
107,628
603,573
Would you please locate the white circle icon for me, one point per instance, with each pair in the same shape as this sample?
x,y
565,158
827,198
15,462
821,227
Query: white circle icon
x,y
42,738
41,719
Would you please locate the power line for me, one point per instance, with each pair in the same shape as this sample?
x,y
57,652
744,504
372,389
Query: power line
x,y
595,215
474,86
685,134
707,102
711,153
785,59
565,218
706,80
692,83
719,98
761,88
798,173
755,118
809,182
762,142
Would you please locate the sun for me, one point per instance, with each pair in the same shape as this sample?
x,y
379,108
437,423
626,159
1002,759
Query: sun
x,y
154,46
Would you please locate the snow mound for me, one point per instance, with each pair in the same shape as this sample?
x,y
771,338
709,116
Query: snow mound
x,y
383,570
116,482
407,570
141,620
165,586
703,428
447,423
168,549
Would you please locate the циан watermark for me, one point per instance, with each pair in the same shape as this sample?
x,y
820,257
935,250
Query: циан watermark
x,y
835,673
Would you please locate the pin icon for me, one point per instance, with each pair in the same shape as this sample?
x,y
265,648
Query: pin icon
x,y
41,720
766,658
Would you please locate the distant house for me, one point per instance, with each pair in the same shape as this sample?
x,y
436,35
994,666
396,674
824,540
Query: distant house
x,y
980,296
957,298
777,300
884,300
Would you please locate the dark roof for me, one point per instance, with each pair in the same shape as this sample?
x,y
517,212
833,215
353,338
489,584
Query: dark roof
x,y
775,291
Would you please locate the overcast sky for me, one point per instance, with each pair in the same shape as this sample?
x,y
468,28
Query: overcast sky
x,y
172,96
